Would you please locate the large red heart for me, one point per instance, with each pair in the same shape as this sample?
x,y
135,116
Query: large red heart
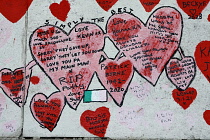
x,y
149,4
202,58
184,98
193,8
15,83
96,122
61,10
47,111
68,60
13,10
206,116
106,4
181,72
149,47
116,76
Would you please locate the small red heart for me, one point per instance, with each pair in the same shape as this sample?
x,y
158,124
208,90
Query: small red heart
x,y
106,4
61,10
193,8
96,122
184,98
208,18
149,4
47,111
202,58
206,116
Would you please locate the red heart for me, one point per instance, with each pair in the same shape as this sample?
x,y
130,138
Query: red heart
x,y
96,122
12,84
47,111
181,72
193,8
184,98
149,47
115,77
149,4
206,116
68,60
202,58
14,10
106,4
61,10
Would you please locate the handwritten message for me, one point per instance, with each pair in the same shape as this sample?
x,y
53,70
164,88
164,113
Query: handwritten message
x,y
165,118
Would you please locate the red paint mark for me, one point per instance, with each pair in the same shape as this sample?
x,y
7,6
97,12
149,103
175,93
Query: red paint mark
x,y
96,122
149,4
14,10
116,73
106,4
184,98
34,80
206,116
47,112
60,11
122,29
202,57
13,81
209,17
193,8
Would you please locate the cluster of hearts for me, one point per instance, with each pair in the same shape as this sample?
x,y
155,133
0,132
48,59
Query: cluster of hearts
x,y
71,59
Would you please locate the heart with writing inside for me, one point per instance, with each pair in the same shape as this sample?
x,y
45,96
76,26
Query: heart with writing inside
x,y
181,72
106,4
115,76
193,8
149,47
202,58
149,4
68,60
15,83
184,98
47,110
96,122
14,10
60,11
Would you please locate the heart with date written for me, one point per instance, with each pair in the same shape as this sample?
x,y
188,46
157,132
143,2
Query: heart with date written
x,y
47,111
202,58
149,47
116,76
106,4
96,122
149,4
14,10
68,60
60,11
193,8
184,98
15,84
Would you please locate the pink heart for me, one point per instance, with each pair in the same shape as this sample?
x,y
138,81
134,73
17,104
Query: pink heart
x,y
148,46
68,60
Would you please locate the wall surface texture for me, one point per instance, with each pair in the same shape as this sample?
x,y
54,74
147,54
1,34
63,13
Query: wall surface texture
x,y
105,68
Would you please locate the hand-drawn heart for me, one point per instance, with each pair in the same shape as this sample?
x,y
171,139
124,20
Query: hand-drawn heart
x,y
181,72
96,122
206,116
60,11
202,58
47,111
15,83
116,76
14,10
68,60
106,4
184,98
149,4
193,8
149,47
